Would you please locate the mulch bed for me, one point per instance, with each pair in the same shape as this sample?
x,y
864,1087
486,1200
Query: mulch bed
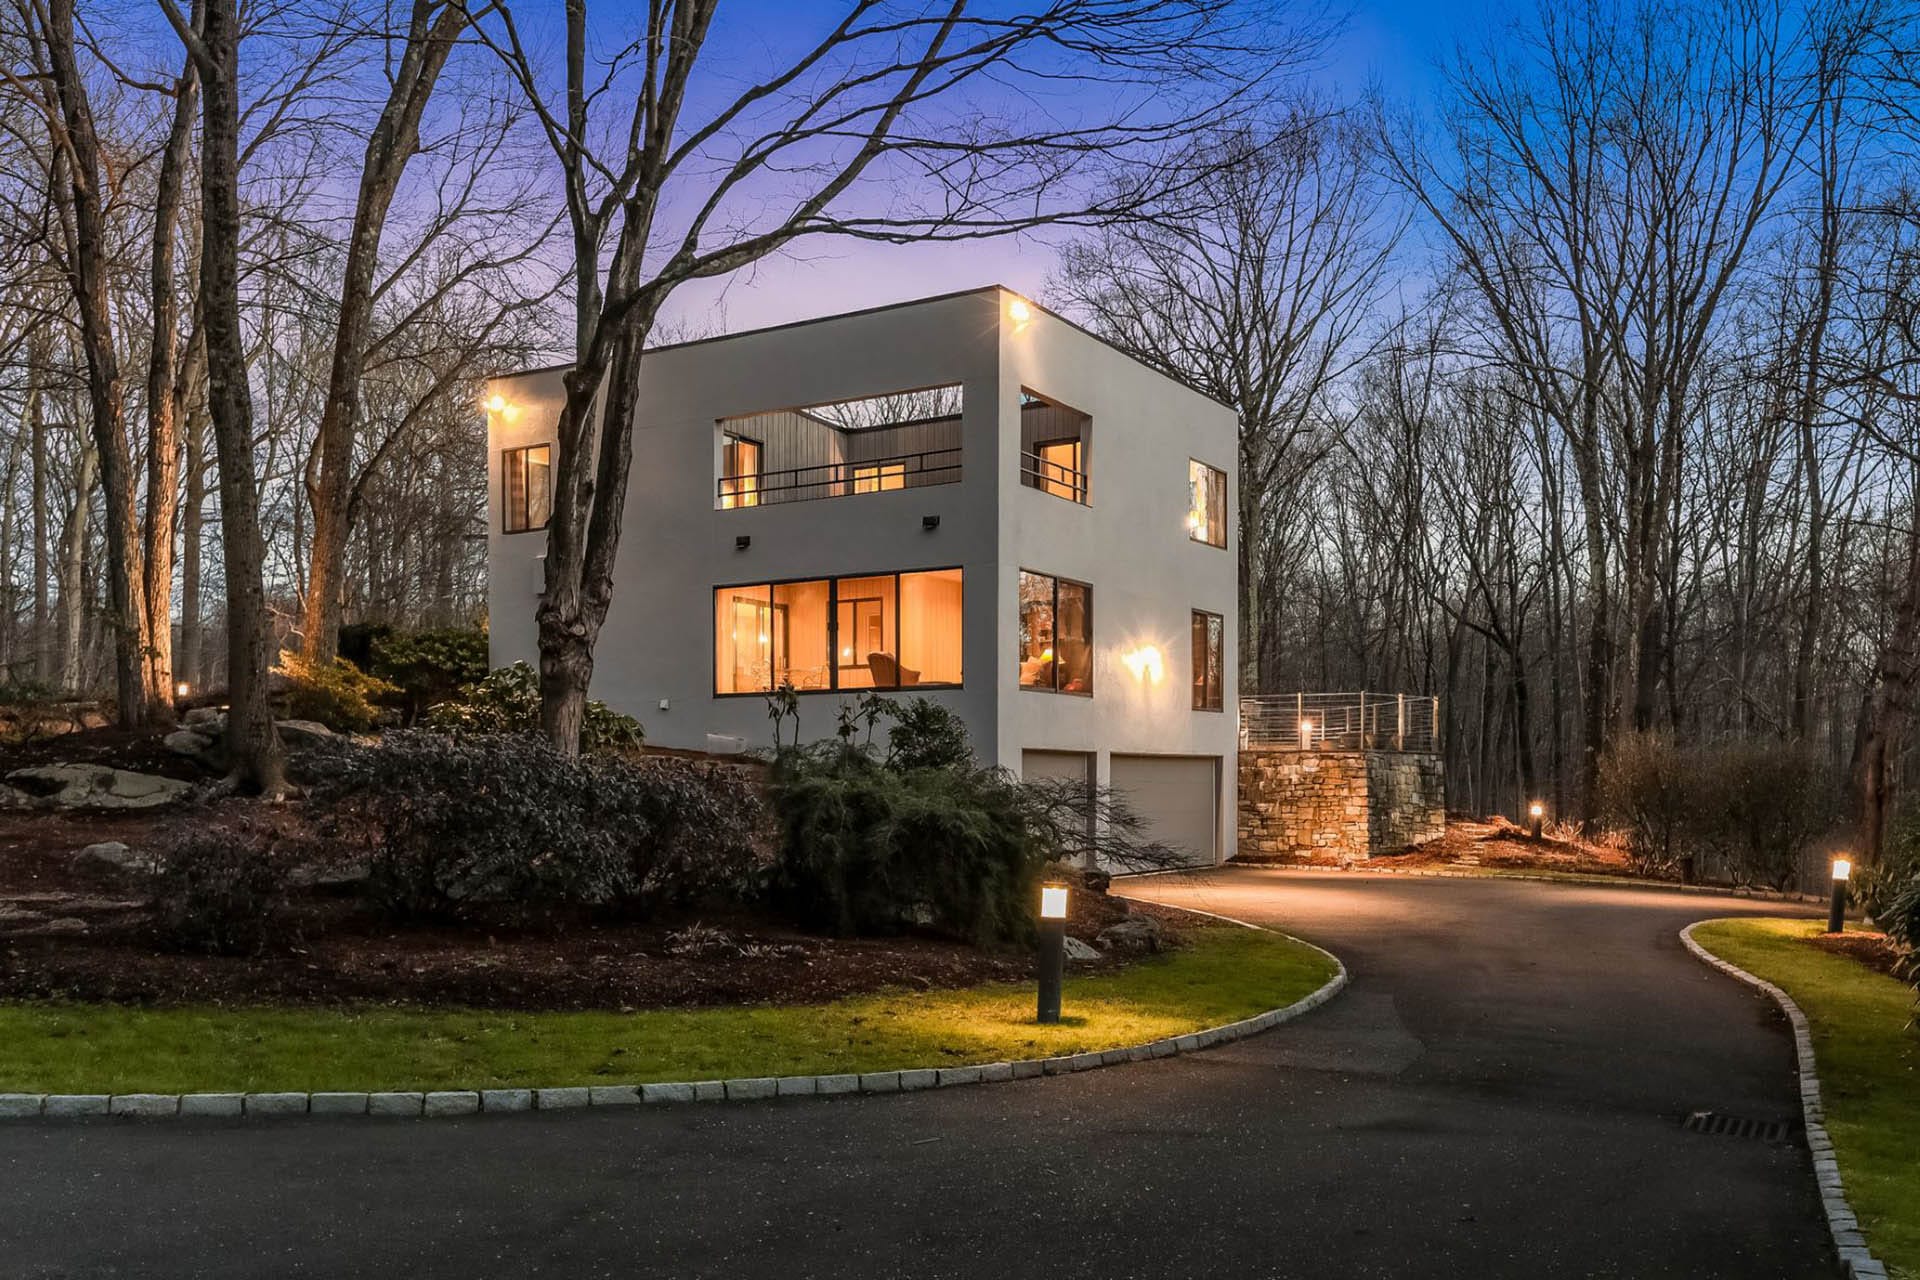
x,y
140,750
1492,843
72,932
1870,949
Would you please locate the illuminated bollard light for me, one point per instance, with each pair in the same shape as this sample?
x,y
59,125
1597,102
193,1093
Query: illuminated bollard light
x,y
1537,812
1053,948
1837,913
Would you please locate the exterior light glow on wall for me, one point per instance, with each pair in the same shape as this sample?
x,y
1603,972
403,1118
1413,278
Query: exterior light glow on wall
x,y
497,403
1837,913
1053,949
1144,663
1020,313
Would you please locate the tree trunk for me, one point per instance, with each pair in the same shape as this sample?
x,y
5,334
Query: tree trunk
x,y
253,747
87,270
73,563
395,139
1884,716
192,666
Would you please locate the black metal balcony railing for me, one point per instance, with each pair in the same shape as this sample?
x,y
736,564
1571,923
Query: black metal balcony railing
x,y
1340,722
1056,478
839,479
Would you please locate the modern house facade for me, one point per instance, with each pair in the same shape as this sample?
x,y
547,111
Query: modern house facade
x,y
965,497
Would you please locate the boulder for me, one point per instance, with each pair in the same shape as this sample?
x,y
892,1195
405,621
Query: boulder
x,y
194,746
1136,936
114,854
1096,881
211,717
1078,950
92,786
298,735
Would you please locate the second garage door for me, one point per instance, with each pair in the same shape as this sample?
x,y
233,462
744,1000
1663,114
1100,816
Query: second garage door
x,y
1178,796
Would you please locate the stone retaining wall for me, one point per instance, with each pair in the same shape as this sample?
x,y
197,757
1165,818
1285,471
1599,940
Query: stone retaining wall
x,y
1341,804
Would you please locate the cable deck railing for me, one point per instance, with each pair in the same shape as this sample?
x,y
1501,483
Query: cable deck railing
x,y
1340,722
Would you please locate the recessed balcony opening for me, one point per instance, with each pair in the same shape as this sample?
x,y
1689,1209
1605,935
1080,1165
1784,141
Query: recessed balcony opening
x,y
901,440
1054,445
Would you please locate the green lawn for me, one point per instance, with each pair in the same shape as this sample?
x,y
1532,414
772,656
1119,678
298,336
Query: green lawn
x,y
1869,1060
1227,974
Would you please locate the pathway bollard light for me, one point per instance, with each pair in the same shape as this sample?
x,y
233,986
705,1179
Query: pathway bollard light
x,y
1053,948
1536,811
1837,913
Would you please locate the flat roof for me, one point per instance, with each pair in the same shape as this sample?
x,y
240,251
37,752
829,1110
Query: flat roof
x,y
895,306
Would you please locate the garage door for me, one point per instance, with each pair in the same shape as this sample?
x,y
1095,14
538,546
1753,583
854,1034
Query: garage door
x,y
1071,765
1178,796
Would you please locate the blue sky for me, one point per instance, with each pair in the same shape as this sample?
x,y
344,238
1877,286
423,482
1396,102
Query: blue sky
x,y
1391,43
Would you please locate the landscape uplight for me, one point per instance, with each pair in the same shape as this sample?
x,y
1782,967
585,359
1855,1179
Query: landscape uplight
x,y
1537,812
1053,948
1837,913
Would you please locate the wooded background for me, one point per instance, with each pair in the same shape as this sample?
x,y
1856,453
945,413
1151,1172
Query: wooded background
x,y
1581,392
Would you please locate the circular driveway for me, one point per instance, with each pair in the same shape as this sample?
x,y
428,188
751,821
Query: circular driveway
x,y
1498,1093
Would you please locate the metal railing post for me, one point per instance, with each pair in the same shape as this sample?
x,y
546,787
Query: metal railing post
x,y
1400,722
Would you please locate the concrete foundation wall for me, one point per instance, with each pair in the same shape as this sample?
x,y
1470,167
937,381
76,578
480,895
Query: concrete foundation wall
x,y
1339,804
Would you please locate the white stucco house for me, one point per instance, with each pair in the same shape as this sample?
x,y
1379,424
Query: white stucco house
x,y
965,497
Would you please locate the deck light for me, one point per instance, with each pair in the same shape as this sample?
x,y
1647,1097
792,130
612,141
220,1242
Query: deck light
x,y
1536,811
1306,734
1053,949
1837,913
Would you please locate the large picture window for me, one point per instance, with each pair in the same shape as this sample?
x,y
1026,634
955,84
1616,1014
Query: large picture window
x,y
1209,660
1056,634
526,492
880,631
1207,504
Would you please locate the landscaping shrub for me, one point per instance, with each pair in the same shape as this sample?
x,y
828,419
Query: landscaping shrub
x,y
1757,805
428,666
444,820
1762,804
1902,925
1875,887
1644,791
926,735
218,890
508,701
869,849
357,640
338,695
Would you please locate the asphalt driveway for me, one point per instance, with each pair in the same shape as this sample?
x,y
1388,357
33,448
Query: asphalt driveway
x,y
1498,1094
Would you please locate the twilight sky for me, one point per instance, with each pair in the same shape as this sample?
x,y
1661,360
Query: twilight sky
x,y
1393,43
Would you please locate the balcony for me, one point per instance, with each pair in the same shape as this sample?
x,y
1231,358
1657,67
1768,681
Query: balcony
x,y
1062,479
903,440
840,479
1054,440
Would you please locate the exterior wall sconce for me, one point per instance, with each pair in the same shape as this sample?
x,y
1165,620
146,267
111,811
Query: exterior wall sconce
x,y
1053,949
929,523
1837,913
1144,663
742,542
497,403
1019,313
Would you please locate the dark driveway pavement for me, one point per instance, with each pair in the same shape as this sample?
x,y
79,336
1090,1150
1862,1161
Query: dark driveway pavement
x,y
1497,1094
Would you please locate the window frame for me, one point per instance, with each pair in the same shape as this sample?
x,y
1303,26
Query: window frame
x,y
1054,604
508,457
1216,496
833,630
1200,664
1078,488
747,495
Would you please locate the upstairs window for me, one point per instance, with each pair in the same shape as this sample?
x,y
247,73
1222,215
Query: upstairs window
x,y
740,473
1207,503
1209,659
526,490
1056,634
879,476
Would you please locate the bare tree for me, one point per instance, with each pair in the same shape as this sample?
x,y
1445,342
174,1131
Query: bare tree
x,y
695,178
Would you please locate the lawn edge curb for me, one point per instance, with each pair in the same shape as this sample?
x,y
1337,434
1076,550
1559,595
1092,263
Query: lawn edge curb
x,y
1855,1257
437,1104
